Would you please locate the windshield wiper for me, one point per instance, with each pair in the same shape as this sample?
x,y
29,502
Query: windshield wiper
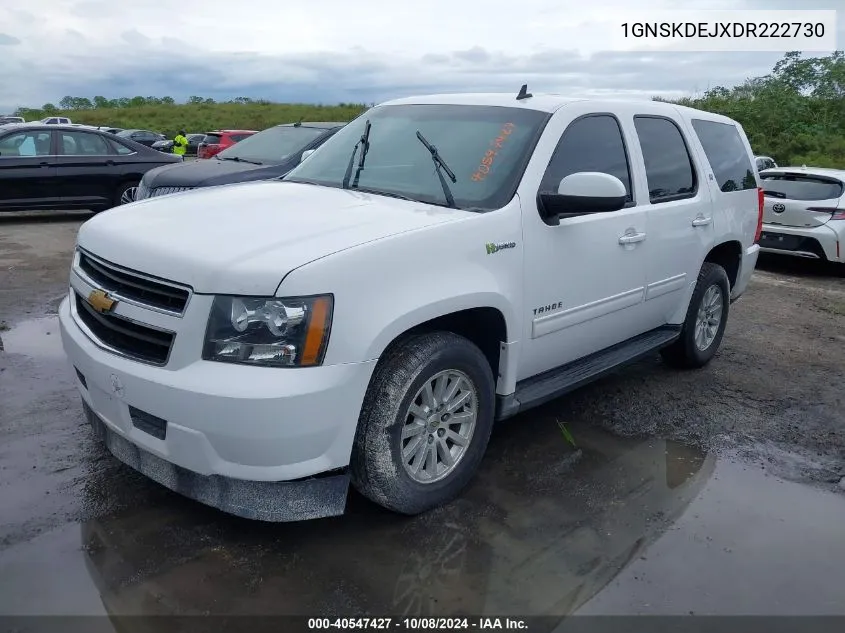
x,y
364,144
774,194
440,166
237,159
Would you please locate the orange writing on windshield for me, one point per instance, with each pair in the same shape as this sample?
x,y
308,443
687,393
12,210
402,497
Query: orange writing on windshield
x,y
489,157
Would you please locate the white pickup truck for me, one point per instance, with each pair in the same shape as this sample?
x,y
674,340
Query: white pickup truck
x,y
441,263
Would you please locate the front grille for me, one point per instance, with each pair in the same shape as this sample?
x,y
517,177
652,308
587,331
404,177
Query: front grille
x,y
124,336
140,289
164,191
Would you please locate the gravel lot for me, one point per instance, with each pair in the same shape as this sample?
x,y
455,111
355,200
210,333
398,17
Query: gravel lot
x,y
735,469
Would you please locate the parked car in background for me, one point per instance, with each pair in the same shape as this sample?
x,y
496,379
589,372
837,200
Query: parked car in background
x,y
215,142
804,212
56,120
193,143
67,167
5,120
764,162
144,137
110,130
270,153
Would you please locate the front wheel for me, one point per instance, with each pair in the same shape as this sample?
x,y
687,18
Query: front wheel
x,y
425,423
705,323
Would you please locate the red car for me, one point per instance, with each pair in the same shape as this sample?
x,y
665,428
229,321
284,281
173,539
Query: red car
x,y
215,142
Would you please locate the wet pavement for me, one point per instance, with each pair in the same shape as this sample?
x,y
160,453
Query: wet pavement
x,y
711,492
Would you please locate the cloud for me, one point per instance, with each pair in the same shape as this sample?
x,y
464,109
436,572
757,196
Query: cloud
x,y
331,50
8,40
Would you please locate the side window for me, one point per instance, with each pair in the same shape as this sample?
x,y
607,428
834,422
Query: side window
x,y
82,144
727,155
25,144
668,165
237,138
593,143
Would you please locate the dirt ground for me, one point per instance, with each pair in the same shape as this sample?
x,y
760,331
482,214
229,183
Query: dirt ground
x,y
769,409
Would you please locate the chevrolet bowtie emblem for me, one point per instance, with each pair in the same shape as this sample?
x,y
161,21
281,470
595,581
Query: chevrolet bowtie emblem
x,y
100,301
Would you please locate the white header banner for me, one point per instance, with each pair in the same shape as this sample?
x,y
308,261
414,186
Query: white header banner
x,y
725,31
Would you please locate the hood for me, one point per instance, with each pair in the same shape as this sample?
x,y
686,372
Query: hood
x,y
209,172
244,238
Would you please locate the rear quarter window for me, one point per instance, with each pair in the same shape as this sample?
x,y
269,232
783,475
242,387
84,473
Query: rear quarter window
x,y
211,139
726,154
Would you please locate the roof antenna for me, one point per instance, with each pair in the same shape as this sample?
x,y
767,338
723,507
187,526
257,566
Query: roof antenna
x,y
523,93
298,123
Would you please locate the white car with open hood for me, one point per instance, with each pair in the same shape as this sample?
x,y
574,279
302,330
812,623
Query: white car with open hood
x,y
441,263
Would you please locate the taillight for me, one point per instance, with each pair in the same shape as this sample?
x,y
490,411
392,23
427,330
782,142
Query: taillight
x,y
760,197
835,214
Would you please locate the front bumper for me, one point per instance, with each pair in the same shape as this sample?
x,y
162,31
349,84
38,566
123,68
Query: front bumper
x,y
239,438
820,242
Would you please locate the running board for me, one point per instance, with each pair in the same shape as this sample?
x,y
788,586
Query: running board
x,y
552,384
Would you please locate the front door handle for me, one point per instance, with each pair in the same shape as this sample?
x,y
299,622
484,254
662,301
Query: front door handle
x,y
632,238
701,221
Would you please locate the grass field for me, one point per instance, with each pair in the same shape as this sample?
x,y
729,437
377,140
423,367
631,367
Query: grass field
x,y
168,119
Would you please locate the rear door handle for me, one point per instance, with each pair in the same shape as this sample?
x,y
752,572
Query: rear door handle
x,y
632,238
702,221
44,163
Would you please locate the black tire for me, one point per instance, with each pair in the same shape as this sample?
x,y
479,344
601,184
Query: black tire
x,y
122,189
684,353
376,466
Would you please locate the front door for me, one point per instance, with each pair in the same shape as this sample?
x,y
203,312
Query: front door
x,y
584,278
27,171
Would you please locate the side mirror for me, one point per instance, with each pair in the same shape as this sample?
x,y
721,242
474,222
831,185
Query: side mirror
x,y
306,154
582,193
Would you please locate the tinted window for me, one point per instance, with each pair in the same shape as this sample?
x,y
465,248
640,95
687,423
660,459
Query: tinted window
x,y
195,138
211,139
590,144
237,138
668,165
272,145
726,154
486,147
32,143
800,187
82,144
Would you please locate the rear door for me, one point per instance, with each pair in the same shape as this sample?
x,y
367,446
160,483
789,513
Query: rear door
x,y
795,199
28,170
87,173
680,213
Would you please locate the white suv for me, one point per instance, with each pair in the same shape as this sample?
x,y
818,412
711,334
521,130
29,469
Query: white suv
x,y
804,212
441,263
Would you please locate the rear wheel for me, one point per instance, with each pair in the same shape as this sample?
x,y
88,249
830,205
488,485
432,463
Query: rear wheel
x,y
126,193
705,323
425,423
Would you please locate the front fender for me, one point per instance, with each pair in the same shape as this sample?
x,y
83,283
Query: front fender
x,y
383,288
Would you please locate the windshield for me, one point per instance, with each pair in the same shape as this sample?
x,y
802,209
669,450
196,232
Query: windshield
x,y
801,187
487,148
272,145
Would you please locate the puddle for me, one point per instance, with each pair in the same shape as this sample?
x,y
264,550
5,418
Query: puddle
x,y
36,338
522,540
632,526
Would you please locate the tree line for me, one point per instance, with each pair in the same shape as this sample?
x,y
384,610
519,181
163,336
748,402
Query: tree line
x,y
795,114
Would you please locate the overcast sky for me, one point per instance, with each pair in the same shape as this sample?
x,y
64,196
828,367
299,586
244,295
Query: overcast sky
x,y
340,50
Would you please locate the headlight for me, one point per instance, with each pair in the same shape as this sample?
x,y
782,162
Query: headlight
x,y
269,331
